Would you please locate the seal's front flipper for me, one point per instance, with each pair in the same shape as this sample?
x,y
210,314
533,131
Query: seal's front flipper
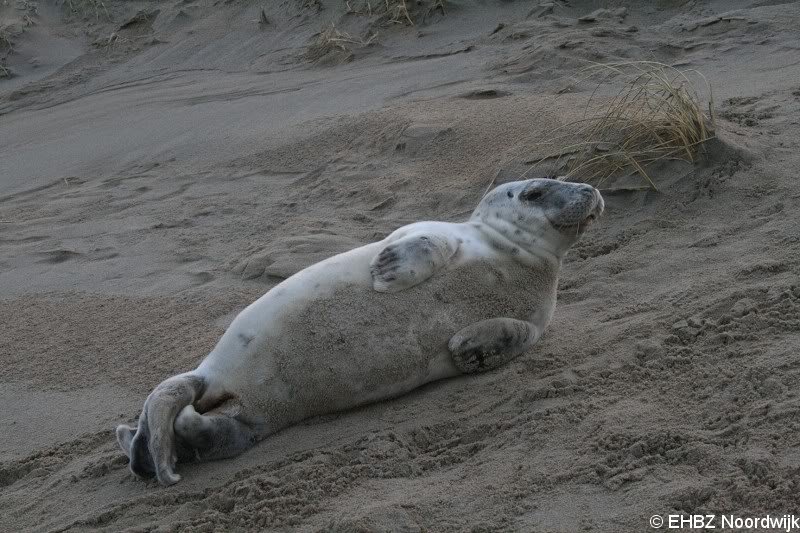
x,y
490,343
410,261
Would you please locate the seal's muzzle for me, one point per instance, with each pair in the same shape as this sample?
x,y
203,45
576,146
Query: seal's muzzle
x,y
566,204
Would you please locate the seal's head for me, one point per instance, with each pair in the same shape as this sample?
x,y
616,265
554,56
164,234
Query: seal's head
x,y
540,214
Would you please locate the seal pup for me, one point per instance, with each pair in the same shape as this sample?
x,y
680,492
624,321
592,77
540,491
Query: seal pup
x,y
432,300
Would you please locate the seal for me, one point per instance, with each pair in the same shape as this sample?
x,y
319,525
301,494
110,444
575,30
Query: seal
x,y
433,300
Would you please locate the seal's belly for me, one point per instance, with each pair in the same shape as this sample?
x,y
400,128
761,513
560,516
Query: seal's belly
x,y
355,345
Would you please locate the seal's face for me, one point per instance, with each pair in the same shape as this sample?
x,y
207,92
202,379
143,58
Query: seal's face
x,y
541,211
567,206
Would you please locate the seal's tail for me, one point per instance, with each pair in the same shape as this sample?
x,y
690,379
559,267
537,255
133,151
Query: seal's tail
x,y
151,446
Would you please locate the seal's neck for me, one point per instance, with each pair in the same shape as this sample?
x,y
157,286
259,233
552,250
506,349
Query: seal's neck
x,y
534,247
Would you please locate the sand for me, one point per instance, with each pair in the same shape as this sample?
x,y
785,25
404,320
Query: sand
x,y
162,164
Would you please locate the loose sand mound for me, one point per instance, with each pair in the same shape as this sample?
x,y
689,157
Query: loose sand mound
x,y
164,163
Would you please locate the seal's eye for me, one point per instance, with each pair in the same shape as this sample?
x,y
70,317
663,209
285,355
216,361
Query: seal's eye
x,y
530,196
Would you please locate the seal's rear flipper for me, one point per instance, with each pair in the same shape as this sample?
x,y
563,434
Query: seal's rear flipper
x,y
410,261
125,435
490,343
213,435
152,449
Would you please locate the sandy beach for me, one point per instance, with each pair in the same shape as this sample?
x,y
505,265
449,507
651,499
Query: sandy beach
x,y
165,163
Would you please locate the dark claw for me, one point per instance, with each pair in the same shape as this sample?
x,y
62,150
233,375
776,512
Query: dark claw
x,y
387,258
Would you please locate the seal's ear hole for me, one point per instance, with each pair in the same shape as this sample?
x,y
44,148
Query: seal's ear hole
x,y
510,194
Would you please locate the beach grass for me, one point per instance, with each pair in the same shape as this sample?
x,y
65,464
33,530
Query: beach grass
x,y
658,113
331,39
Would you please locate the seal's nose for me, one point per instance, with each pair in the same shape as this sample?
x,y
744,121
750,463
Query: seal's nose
x,y
600,205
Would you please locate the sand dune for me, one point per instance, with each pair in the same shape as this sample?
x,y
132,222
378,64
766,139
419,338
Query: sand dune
x,y
162,164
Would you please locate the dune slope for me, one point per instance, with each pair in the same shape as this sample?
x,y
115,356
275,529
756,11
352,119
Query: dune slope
x,y
162,164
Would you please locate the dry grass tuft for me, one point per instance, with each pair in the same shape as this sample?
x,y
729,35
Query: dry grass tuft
x,y
315,5
331,39
89,7
394,11
108,44
437,5
5,39
657,115
397,12
13,28
29,10
6,49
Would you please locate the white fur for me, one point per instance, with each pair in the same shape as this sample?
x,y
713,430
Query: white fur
x,y
372,323
250,372
267,383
